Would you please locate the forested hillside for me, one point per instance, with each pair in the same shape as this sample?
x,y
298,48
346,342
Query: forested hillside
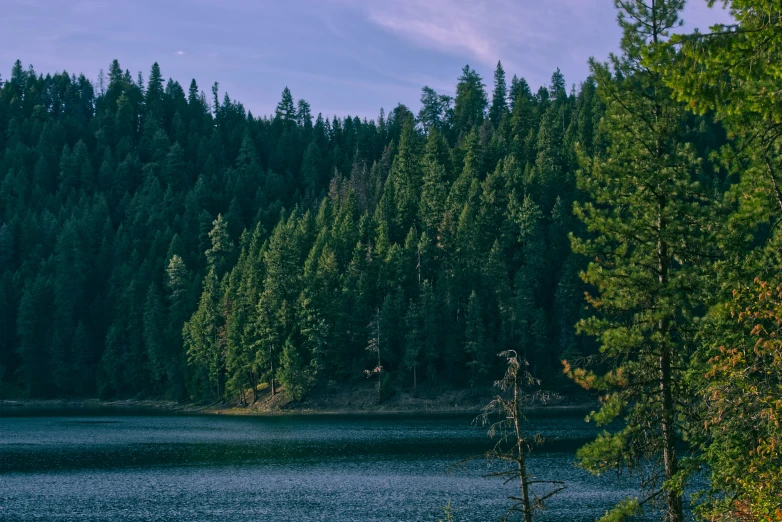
x,y
287,245
129,205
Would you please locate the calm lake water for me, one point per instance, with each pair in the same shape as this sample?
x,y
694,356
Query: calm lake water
x,y
327,468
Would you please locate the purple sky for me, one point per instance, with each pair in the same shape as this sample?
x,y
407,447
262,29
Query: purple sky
x,y
343,56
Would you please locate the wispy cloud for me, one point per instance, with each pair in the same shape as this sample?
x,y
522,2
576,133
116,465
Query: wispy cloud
x,y
180,53
436,24
485,30
457,27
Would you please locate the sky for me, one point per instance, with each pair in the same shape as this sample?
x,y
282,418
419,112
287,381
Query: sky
x,y
343,56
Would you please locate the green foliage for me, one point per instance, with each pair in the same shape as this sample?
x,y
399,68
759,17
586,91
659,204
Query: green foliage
x,y
203,334
296,376
607,452
739,378
499,99
219,255
650,233
436,112
286,110
470,103
406,177
622,511
732,71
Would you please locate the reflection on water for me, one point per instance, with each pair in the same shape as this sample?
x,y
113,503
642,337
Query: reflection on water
x,y
329,468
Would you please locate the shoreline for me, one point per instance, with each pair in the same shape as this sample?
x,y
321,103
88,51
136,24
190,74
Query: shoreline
x,y
129,407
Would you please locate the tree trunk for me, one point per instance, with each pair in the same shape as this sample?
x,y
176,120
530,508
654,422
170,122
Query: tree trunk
x,y
379,368
251,379
522,458
272,375
673,498
524,487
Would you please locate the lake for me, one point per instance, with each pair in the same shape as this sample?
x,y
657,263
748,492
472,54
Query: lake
x,y
284,468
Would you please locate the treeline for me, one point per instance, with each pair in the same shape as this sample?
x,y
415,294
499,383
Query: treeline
x,y
283,244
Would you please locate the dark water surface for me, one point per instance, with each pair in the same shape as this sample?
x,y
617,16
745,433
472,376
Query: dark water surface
x,y
328,468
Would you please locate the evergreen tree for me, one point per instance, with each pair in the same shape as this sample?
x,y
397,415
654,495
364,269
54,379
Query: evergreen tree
x,y
650,228
294,374
286,110
219,255
499,100
435,113
179,289
34,366
529,321
470,102
203,333
558,89
266,339
406,176
304,115
154,92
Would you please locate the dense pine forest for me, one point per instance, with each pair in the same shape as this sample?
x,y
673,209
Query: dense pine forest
x,y
158,241
285,244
